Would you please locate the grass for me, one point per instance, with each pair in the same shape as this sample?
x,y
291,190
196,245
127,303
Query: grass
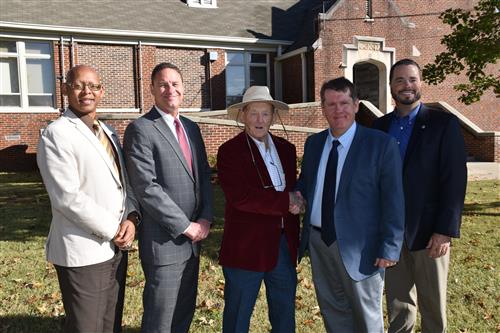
x,y
30,300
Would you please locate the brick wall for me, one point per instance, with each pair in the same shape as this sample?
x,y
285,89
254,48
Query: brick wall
x,y
391,20
193,65
115,65
19,135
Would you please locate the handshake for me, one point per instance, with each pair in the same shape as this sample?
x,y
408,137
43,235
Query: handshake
x,y
297,203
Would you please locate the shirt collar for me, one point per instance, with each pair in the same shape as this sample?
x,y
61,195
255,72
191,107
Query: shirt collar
x,y
260,144
411,115
346,138
166,116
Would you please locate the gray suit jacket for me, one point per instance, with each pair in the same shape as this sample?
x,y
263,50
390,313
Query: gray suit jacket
x,y
169,195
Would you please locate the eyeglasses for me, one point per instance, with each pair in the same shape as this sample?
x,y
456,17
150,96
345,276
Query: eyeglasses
x,y
81,86
258,171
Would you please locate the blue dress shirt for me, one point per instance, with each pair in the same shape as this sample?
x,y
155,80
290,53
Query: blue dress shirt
x,y
401,129
343,148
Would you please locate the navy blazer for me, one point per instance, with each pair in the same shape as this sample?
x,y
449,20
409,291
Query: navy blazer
x,y
434,176
369,210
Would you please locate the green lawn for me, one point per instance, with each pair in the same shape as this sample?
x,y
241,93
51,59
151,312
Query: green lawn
x,y
30,297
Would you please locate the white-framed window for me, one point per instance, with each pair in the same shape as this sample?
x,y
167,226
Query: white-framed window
x,y
26,75
202,3
245,69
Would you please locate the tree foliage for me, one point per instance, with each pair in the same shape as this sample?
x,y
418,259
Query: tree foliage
x,y
473,46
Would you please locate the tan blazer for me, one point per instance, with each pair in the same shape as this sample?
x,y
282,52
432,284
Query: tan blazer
x,y
88,199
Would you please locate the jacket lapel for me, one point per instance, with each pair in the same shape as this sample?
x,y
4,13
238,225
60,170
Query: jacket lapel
x,y
115,141
317,149
259,161
289,175
87,133
418,129
385,122
165,131
351,161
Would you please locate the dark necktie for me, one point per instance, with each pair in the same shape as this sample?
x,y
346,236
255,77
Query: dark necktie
x,y
328,202
181,136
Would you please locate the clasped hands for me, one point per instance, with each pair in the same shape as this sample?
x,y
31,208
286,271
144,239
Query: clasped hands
x,y
125,236
198,230
297,203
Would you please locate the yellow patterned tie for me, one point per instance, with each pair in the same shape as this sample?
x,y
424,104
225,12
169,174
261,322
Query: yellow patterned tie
x,y
108,146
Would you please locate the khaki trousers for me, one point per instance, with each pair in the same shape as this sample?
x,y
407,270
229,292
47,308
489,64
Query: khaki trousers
x,y
417,281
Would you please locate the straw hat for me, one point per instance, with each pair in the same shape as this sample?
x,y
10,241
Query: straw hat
x,y
256,94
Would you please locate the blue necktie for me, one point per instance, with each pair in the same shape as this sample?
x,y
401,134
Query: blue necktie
x,y
328,202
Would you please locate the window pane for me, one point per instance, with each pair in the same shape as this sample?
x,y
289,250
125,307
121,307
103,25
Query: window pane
x,y
10,100
258,76
257,58
9,82
40,101
235,58
37,48
230,100
7,46
235,80
40,76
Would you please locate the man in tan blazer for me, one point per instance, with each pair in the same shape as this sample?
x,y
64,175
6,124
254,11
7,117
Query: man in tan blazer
x,y
93,212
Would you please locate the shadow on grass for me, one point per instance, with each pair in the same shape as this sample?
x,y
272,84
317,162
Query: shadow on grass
x,y
29,324
24,207
485,209
32,324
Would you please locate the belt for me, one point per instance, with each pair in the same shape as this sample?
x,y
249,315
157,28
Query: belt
x,y
316,228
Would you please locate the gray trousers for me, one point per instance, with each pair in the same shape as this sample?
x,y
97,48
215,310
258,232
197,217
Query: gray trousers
x,y
346,305
93,295
417,279
169,296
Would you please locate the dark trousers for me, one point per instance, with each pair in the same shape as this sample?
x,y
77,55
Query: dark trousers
x,y
93,295
242,288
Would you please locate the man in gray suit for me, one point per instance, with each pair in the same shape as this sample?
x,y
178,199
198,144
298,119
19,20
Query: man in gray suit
x,y
170,176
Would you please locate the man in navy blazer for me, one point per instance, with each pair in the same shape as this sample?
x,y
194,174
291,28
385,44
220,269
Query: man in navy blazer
x,y
353,226
434,177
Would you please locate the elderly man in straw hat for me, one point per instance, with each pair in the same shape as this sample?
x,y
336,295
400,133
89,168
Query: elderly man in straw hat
x,y
257,171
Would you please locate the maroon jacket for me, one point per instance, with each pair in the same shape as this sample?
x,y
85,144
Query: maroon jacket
x,y
253,215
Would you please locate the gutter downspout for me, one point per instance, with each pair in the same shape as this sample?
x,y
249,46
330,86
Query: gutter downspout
x,y
303,61
139,60
72,52
62,78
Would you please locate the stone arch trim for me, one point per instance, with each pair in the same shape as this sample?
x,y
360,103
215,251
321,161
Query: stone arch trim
x,y
372,50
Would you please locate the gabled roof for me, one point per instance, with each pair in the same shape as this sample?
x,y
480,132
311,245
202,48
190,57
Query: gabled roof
x,y
261,19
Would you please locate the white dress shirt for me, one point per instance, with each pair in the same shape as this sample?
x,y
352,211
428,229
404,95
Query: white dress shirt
x,y
343,148
272,161
169,120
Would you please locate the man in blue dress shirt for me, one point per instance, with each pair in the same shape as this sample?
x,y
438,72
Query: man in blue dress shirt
x,y
434,178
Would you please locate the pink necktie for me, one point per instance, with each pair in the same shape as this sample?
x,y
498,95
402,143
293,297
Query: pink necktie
x,y
181,136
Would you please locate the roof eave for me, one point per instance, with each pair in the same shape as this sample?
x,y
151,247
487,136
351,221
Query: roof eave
x,y
138,34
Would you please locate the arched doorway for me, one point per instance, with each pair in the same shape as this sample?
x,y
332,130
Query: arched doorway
x,y
366,78
370,59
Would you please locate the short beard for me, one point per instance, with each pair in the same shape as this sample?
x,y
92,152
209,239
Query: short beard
x,y
417,97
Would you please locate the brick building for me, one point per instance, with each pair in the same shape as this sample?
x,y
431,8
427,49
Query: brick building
x,y
222,46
